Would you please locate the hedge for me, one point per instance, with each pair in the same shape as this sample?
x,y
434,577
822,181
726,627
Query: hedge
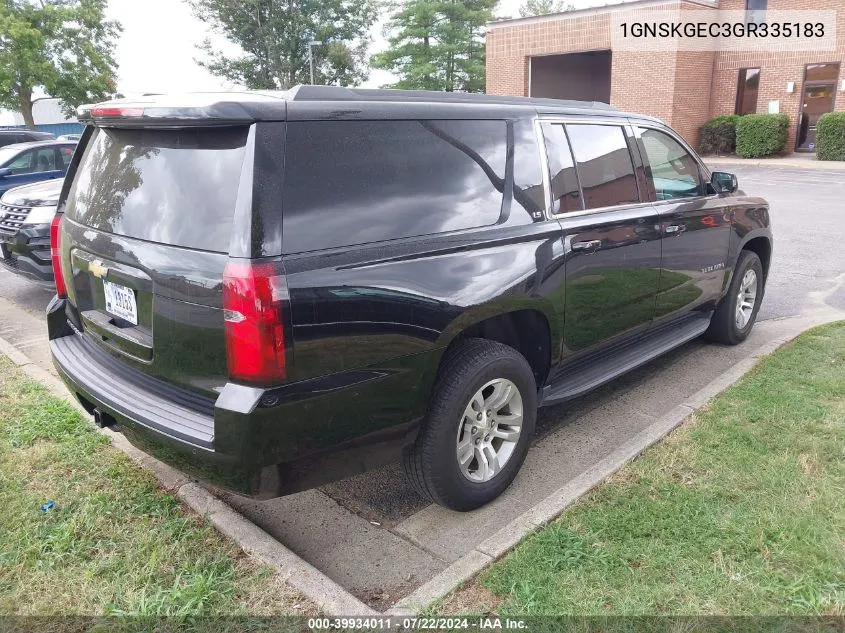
x,y
718,135
830,136
761,134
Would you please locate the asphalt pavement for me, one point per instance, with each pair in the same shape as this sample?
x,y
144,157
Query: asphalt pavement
x,y
375,537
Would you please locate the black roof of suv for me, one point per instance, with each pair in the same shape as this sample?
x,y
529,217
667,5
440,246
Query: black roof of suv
x,y
273,290
329,102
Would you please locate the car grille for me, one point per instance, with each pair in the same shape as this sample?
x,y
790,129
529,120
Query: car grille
x,y
12,218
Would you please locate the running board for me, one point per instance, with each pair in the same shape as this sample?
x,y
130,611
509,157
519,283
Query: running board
x,y
583,377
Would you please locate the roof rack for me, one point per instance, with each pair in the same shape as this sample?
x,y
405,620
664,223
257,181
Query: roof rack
x,y
339,93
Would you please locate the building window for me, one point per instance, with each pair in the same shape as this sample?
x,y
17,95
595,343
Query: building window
x,y
747,87
755,11
822,72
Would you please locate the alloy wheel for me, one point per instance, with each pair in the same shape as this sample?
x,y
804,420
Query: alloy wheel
x,y
746,298
489,430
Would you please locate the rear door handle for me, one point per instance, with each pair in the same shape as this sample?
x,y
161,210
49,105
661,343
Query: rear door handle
x,y
591,246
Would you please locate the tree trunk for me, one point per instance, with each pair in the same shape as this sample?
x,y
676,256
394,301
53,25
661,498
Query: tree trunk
x,y
25,100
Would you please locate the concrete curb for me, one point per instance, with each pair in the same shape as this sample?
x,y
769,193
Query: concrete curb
x,y
552,506
783,163
333,599
329,596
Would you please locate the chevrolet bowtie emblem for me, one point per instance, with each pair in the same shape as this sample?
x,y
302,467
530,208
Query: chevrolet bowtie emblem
x,y
97,269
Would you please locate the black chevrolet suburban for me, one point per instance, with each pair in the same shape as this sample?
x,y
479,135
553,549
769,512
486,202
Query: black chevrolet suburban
x,y
273,290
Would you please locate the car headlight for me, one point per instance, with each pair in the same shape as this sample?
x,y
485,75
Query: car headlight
x,y
40,215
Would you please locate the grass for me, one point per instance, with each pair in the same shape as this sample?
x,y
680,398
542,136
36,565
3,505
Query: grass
x,y
740,511
113,544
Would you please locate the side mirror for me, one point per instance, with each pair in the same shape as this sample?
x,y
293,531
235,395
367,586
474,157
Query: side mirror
x,y
5,171
723,182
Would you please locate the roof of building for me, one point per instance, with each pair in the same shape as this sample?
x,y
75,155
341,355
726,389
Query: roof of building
x,y
619,5
45,111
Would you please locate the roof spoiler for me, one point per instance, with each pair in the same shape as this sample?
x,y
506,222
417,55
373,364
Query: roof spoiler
x,y
178,110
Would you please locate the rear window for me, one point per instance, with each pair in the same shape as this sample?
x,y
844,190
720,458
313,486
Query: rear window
x,y
352,182
170,186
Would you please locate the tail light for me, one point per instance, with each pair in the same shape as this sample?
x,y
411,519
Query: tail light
x,y
56,254
116,111
253,298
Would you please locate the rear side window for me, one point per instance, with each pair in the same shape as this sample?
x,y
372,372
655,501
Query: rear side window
x,y
604,165
528,190
45,160
566,194
174,187
353,182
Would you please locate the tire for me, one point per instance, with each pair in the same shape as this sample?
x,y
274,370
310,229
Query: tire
x,y
431,464
725,324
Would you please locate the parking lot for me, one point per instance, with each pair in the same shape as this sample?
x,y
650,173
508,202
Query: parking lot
x,y
371,534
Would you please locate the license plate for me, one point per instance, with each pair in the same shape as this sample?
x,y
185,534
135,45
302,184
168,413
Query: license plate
x,y
120,301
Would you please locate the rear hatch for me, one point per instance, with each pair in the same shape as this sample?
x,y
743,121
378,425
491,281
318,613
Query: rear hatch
x,y
145,236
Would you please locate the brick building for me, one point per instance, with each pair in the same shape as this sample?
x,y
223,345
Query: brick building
x,y
570,56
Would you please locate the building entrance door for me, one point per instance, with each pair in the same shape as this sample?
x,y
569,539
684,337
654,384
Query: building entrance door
x,y
819,93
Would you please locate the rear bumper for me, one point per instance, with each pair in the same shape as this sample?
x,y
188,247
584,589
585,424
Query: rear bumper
x,y
255,442
169,424
28,253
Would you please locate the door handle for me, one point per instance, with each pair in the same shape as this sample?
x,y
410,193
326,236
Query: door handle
x,y
675,229
591,246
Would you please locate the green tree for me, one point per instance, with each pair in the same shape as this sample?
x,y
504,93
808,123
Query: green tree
x,y
63,47
544,7
436,44
274,37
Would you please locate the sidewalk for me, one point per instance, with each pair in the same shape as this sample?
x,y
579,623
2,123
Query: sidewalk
x,y
791,161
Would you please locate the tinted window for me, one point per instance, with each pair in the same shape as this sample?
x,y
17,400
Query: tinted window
x,y
747,88
604,165
175,186
673,172
45,160
528,191
821,72
351,182
566,194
